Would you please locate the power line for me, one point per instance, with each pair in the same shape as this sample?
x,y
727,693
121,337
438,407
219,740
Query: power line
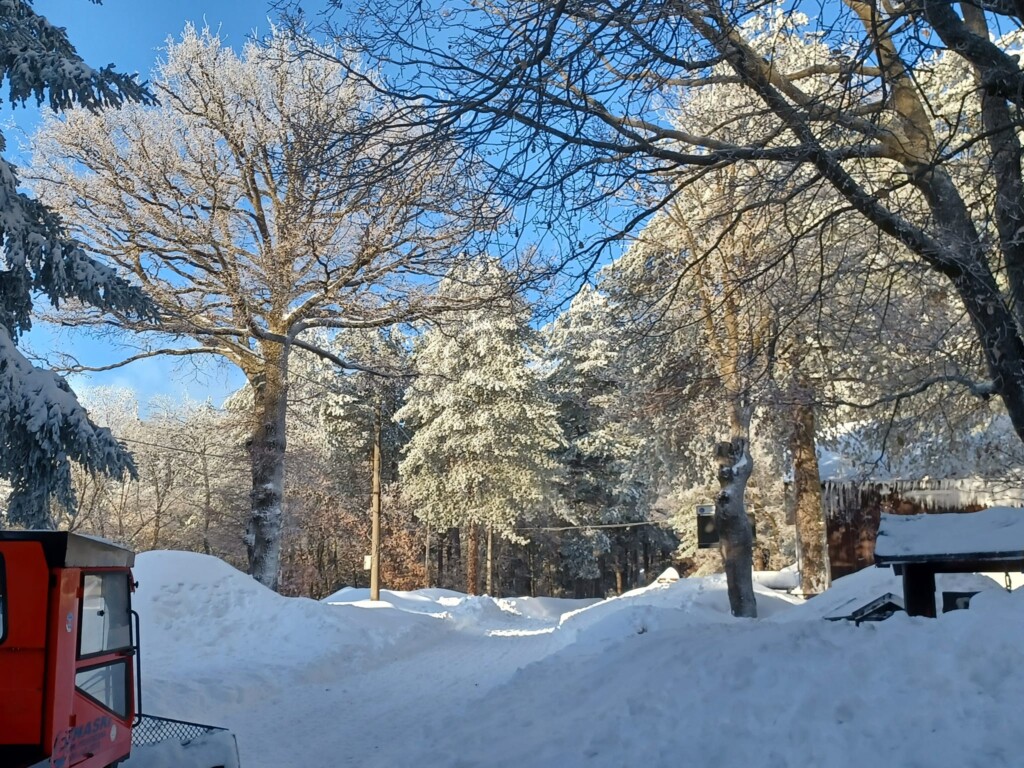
x,y
179,449
592,527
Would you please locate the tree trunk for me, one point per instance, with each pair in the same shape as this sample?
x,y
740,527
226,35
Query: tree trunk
x,y
426,559
266,451
455,558
442,546
375,511
811,531
207,504
736,539
529,568
489,576
472,560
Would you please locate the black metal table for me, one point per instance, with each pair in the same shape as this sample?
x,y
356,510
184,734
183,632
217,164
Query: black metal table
x,y
919,546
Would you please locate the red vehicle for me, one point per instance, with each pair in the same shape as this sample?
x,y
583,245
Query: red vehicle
x,y
69,654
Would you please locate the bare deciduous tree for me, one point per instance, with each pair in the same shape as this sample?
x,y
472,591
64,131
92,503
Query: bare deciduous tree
x,y
239,204
575,95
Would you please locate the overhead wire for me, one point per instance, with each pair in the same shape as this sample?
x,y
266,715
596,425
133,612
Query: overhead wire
x,y
178,449
591,527
328,389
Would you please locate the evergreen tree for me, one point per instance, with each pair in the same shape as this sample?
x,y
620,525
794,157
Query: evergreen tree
x,y
483,435
42,426
586,381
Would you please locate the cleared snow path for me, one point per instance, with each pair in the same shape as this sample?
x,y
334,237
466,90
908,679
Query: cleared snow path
x,y
382,711
352,683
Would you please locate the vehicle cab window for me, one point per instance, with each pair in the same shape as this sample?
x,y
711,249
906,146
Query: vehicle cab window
x,y
107,684
105,636
106,614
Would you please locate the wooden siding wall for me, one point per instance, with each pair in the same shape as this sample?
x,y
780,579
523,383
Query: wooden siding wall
x,y
853,511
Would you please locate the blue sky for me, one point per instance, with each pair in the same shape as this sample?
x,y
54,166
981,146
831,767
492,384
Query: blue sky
x,y
130,34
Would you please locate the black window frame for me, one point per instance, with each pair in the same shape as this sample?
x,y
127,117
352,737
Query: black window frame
x,y
81,615
4,600
124,718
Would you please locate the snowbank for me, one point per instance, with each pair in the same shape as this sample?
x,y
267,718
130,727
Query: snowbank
x,y
202,604
858,588
661,676
202,615
215,749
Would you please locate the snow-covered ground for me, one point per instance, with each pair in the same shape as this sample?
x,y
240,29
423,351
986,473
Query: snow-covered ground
x,y
662,676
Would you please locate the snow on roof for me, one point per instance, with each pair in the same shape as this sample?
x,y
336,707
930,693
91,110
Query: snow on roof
x,y
990,534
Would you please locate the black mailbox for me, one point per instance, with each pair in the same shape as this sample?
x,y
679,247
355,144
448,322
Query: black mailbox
x,y
707,531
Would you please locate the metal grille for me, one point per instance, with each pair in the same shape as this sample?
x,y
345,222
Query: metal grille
x,y
151,730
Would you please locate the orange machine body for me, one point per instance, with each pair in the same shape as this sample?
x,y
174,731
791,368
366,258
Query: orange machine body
x,y
67,651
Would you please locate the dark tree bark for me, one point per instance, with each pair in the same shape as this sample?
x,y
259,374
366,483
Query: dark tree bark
x,y
472,556
811,532
442,545
266,450
375,510
426,558
489,575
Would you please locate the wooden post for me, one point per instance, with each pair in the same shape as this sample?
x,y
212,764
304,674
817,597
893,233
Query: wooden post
x,y
919,590
375,512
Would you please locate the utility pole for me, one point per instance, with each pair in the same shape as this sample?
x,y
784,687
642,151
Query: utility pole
x,y
375,510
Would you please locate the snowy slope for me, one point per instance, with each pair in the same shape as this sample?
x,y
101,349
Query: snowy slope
x,y
663,676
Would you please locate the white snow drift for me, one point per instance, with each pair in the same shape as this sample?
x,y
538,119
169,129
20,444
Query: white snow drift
x,y
662,676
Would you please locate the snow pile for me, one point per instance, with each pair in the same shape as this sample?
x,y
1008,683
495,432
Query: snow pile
x,y
214,749
424,601
198,602
787,578
545,608
199,613
698,601
908,692
657,677
464,610
853,591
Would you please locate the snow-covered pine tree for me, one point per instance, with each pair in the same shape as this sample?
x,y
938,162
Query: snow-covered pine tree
x,y
481,452
585,380
42,426
356,408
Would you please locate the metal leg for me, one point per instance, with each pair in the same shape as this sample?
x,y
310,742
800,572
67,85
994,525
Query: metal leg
x,y
919,590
